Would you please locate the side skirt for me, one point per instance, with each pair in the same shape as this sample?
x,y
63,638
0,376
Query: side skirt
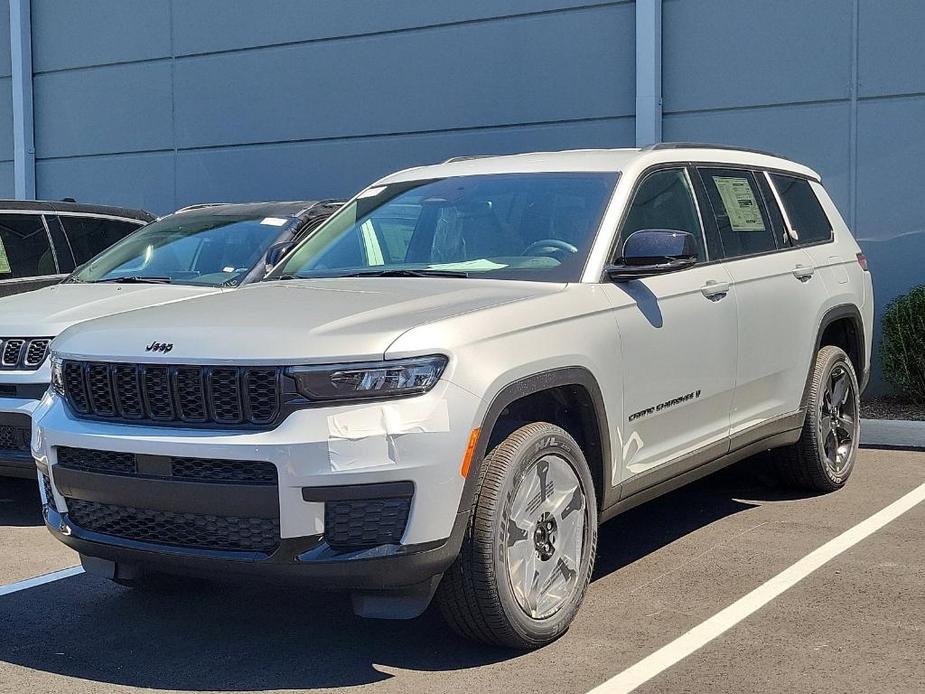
x,y
782,431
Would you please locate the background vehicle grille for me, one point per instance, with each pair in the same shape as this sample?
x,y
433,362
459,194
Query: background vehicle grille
x,y
23,353
186,469
191,395
365,523
13,438
179,529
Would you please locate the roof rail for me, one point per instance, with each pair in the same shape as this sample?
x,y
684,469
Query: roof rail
x,y
201,205
704,145
330,202
468,157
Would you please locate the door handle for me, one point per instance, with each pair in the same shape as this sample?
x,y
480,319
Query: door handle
x,y
803,272
714,290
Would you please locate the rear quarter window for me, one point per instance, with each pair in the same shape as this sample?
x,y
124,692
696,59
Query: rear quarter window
x,y
88,236
807,218
25,250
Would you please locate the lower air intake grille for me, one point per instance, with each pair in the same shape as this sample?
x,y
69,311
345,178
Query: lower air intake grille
x,y
14,438
178,529
46,486
255,472
365,523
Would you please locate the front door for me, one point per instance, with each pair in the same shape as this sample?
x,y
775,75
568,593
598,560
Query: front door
x,y
678,335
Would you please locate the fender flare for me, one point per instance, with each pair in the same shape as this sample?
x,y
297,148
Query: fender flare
x,y
833,314
535,383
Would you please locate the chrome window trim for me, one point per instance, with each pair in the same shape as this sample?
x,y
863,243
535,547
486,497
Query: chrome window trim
x,y
791,232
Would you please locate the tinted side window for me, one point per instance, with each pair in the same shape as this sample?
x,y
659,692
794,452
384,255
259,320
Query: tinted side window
x,y
740,216
664,200
24,247
89,236
806,215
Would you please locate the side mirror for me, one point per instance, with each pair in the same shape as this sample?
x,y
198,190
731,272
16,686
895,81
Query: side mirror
x,y
276,252
649,252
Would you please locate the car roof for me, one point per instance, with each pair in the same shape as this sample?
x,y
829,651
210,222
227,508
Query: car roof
x,y
301,209
627,160
55,206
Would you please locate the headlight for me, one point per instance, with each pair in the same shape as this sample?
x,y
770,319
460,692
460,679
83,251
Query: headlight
x,y
57,375
368,380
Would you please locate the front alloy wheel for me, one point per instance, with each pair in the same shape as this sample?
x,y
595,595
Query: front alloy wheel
x,y
528,552
545,535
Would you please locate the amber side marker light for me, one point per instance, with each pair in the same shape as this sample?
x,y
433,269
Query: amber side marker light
x,y
470,452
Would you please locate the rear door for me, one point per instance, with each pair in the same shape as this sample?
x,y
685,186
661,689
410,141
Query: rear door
x,y
678,337
27,258
778,292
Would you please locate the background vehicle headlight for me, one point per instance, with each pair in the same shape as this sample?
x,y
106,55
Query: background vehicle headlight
x,y
369,379
57,375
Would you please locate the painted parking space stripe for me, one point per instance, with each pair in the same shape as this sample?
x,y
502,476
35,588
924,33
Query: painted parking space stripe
x,y
40,580
704,633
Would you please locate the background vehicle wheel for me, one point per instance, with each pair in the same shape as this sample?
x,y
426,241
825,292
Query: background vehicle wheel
x,y
530,544
823,458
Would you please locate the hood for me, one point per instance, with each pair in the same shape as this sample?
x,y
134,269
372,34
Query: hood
x,y
47,312
290,322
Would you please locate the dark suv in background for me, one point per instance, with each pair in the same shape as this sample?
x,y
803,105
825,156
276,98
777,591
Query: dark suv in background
x,y
42,242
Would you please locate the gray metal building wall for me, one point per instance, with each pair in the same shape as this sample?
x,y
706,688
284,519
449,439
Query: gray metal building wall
x,y
159,103
6,109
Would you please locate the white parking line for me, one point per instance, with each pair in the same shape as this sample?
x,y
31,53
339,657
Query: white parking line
x,y
702,634
40,580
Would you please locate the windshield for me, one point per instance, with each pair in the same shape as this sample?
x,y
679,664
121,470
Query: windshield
x,y
505,226
188,248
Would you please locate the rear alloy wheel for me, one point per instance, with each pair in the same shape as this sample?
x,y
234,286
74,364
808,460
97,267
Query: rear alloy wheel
x,y
823,458
529,549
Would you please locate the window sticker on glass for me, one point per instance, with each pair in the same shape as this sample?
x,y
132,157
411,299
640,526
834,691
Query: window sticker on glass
x,y
740,203
273,221
4,260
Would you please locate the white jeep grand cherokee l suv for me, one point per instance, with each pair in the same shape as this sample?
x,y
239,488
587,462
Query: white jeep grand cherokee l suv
x,y
446,388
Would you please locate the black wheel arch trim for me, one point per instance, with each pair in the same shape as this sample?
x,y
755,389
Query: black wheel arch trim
x,y
532,384
837,313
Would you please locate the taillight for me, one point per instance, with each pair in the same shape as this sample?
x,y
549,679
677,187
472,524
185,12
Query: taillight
x,y
862,261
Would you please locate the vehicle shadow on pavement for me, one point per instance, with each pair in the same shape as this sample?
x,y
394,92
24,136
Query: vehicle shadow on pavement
x,y
20,504
219,637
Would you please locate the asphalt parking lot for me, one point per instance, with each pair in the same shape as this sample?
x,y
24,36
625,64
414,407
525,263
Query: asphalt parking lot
x,y
856,624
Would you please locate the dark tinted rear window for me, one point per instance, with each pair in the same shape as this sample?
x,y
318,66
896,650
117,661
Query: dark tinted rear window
x,y
806,215
88,236
24,247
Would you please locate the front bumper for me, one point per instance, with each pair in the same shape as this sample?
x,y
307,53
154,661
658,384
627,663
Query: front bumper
x,y
317,453
15,434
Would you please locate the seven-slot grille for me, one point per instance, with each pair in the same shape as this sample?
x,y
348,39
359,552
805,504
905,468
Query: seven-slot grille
x,y
23,353
154,393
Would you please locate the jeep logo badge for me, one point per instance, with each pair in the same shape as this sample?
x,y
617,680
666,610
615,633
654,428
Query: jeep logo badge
x,y
159,347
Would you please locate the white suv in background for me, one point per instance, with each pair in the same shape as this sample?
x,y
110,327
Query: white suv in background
x,y
448,386
198,250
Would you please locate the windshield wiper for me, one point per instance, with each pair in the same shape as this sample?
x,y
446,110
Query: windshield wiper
x,y
407,273
135,279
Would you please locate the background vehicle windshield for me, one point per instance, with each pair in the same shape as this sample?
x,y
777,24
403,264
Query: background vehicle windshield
x,y
506,226
188,248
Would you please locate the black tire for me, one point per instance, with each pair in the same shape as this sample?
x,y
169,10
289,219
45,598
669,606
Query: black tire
x,y
807,464
476,596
